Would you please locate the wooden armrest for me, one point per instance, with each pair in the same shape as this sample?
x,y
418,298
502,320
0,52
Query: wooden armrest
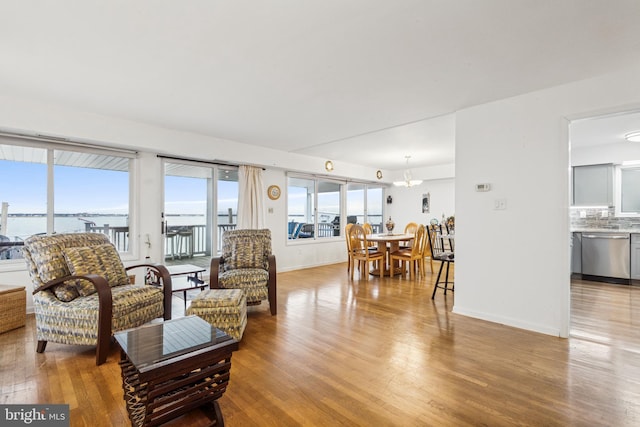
x,y
167,286
98,281
214,271
105,309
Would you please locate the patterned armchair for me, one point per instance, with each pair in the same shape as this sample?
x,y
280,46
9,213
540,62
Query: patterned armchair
x,y
82,294
247,263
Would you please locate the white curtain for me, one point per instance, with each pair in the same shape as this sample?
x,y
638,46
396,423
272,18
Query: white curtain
x,y
250,198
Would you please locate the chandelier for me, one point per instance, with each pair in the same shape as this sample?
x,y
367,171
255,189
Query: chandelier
x,y
408,177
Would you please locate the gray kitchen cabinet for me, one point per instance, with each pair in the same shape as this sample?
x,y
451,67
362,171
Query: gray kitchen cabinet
x,y
593,185
635,256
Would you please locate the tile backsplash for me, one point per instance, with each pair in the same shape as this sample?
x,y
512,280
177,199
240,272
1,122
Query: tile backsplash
x,y
594,219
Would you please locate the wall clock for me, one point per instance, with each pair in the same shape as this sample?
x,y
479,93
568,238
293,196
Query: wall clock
x,y
274,192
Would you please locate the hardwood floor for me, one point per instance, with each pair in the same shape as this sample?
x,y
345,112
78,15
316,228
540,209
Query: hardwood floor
x,y
377,353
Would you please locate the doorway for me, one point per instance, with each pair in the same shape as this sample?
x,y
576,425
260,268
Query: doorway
x,y
200,203
599,143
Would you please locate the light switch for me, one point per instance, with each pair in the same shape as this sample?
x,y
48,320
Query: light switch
x,y
270,210
500,204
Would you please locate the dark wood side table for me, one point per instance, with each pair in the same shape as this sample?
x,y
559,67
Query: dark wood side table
x,y
173,367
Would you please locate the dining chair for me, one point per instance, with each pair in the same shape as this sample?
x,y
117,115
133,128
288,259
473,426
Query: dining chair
x,y
410,228
349,247
368,229
413,256
361,252
438,253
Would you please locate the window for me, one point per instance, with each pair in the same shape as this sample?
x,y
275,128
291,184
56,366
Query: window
x,y
301,207
227,201
355,203
363,204
55,188
375,196
91,193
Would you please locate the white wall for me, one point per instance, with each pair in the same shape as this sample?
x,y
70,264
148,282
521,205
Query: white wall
x,y
513,265
407,202
609,153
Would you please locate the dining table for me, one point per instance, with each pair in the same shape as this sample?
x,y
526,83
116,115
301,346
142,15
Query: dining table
x,y
387,243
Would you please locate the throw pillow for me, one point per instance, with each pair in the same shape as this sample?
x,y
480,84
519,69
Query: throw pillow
x,y
102,260
66,291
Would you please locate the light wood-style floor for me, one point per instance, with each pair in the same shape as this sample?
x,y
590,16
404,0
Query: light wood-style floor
x,y
377,353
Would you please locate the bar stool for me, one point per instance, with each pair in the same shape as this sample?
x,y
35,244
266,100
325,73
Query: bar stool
x,y
185,242
170,249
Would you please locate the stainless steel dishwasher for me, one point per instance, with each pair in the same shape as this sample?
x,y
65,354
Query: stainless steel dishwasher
x,y
606,255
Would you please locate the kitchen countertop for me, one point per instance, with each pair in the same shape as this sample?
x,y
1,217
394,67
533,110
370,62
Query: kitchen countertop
x,y
605,230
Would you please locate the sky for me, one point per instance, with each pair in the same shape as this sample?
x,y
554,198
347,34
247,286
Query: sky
x,y
79,190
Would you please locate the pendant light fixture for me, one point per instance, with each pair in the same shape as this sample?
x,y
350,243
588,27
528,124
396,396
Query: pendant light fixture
x,y
408,177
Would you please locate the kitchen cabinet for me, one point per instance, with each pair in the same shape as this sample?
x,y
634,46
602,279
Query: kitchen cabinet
x,y
593,185
635,256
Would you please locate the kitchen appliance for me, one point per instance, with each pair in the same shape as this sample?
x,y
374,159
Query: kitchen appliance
x,y
607,256
576,253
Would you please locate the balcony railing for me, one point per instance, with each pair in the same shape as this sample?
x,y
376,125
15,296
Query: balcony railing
x,y
188,240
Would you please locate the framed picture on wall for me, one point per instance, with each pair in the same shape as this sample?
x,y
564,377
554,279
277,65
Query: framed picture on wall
x,y
426,202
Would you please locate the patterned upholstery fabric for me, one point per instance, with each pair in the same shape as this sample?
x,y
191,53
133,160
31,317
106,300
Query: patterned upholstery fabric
x,y
246,249
245,254
48,257
253,281
76,321
68,291
102,260
226,309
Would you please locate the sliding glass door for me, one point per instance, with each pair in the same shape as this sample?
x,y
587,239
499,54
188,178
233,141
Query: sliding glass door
x,y
200,202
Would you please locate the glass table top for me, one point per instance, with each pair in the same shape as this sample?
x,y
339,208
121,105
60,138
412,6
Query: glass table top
x,y
156,342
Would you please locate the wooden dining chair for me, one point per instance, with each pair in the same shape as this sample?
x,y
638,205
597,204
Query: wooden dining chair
x,y
348,238
410,228
413,256
361,252
368,230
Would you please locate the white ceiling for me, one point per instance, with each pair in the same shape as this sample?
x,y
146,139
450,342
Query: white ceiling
x,y
351,81
603,130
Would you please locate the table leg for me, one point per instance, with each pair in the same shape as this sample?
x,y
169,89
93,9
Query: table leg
x,y
219,421
394,247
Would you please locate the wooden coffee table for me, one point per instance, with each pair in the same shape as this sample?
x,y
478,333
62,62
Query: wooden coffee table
x,y
170,368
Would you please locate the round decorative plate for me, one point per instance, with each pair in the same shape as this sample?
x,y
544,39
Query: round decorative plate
x,y
433,221
274,192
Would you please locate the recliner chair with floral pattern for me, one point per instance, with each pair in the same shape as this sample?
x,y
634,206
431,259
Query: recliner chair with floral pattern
x,y
246,263
82,294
